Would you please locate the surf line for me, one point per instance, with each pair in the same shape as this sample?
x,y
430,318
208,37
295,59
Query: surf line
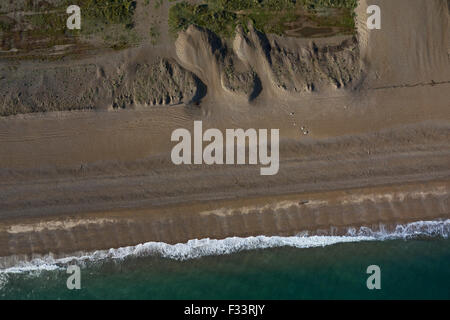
x,y
235,140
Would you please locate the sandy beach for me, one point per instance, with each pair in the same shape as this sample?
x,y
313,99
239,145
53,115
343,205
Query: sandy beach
x,y
374,152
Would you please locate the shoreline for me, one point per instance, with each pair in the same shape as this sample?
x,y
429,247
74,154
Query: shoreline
x,y
206,247
319,213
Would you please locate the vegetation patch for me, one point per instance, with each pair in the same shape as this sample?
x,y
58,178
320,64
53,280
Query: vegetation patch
x,y
107,12
282,17
154,33
42,26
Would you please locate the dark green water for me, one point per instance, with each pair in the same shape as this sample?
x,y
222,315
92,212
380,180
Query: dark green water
x,y
410,269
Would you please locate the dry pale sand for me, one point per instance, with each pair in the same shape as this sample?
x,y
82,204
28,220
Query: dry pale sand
x,y
378,152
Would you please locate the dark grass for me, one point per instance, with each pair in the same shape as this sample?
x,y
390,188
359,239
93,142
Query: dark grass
x,y
268,16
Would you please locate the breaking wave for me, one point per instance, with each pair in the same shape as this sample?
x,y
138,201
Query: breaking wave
x,y
208,247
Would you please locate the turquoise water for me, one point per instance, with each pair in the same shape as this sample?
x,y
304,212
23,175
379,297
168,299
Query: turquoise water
x,y
410,269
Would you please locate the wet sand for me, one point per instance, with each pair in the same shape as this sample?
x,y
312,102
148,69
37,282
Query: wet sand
x,y
320,213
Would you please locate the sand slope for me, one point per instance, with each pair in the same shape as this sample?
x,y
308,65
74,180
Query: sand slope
x,y
412,46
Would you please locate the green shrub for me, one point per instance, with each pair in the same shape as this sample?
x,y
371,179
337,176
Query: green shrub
x,y
108,11
348,4
270,16
5,25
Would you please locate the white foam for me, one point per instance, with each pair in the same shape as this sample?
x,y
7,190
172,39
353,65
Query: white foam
x,y
207,247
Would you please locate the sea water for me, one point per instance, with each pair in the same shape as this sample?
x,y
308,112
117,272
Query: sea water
x,y
414,262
